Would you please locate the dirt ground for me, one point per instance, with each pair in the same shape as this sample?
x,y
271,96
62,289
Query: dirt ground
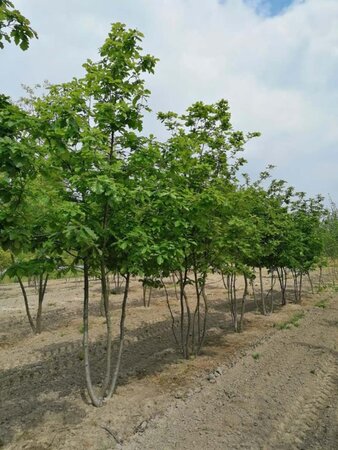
x,y
266,388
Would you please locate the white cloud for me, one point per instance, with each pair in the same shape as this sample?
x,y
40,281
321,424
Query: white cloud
x,y
278,73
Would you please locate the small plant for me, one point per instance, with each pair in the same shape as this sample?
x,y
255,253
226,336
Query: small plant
x,y
81,329
256,356
294,321
327,286
321,304
81,355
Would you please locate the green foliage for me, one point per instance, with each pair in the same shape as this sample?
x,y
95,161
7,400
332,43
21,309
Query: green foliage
x,y
88,130
14,26
329,232
5,260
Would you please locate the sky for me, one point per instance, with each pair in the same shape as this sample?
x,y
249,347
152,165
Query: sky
x,y
268,7
275,61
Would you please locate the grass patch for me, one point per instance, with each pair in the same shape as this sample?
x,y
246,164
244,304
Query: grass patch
x,y
321,304
256,356
328,286
293,322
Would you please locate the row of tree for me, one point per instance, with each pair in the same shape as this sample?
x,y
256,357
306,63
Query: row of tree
x,y
80,186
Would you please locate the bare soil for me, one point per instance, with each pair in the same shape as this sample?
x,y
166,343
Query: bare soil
x,y
265,388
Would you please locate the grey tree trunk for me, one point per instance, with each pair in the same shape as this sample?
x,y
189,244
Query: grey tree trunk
x,y
262,291
96,400
28,313
41,295
112,387
105,296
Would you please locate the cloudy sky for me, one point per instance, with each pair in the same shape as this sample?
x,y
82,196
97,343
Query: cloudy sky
x,y
276,61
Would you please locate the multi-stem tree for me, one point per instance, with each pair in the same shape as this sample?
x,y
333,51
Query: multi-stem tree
x,y
89,129
201,161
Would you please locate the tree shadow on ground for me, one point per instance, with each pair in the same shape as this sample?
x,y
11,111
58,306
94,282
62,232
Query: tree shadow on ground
x,y
28,393
54,318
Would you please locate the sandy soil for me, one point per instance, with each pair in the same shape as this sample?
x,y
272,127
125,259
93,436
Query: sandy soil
x,y
263,389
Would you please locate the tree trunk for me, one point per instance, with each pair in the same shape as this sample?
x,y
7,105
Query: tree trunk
x,y
282,277
233,300
144,289
149,296
173,325
182,280
230,286
41,296
175,286
310,281
105,295
245,293
272,283
187,336
28,313
262,291
320,276
112,386
196,316
295,285
300,287
204,328
252,284
96,401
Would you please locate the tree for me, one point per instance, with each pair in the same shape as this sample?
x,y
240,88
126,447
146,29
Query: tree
x,y
27,200
14,26
35,253
88,126
201,163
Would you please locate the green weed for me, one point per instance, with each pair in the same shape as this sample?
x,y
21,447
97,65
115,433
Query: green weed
x,y
321,304
294,321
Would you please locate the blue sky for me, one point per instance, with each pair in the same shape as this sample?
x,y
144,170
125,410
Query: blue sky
x,y
271,7
276,61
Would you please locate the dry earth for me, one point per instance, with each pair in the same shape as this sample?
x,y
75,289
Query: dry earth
x,y
263,389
